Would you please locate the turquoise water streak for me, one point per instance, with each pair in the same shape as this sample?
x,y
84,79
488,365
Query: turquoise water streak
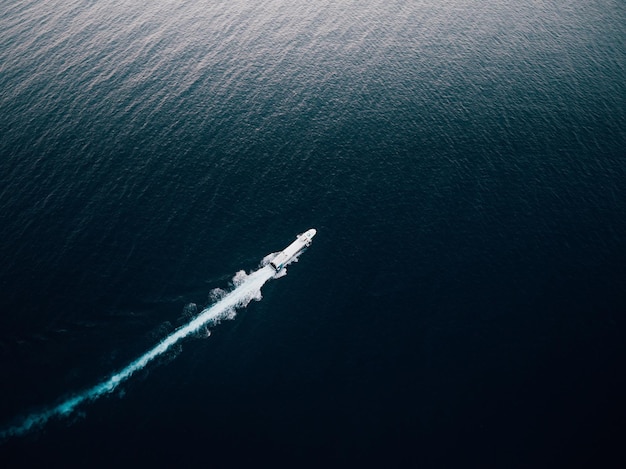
x,y
247,289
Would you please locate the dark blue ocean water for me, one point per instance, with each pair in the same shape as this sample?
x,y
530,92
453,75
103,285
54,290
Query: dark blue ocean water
x,y
463,162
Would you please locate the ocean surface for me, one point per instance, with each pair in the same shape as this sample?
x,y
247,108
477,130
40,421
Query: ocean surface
x,y
464,162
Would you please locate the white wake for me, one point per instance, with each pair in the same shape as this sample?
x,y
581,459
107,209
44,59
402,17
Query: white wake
x,y
247,288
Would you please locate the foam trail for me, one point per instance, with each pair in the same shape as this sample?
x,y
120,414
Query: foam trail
x,y
247,288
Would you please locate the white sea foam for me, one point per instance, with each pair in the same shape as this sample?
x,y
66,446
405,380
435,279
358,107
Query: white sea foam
x,y
247,287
